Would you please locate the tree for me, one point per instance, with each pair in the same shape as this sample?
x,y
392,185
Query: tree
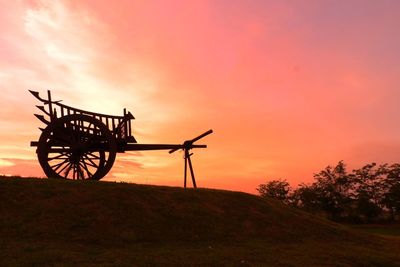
x,y
307,198
278,189
333,186
369,190
391,197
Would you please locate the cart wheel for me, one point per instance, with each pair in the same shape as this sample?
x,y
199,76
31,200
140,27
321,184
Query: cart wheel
x,y
76,147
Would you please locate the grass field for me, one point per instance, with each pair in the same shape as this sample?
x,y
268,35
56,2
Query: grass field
x,y
46,222
380,229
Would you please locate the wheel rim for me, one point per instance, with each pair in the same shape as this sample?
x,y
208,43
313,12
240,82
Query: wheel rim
x,y
76,147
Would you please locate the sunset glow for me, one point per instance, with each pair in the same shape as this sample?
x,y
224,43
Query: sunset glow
x,y
288,87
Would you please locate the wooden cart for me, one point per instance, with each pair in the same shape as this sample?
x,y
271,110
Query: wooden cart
x,y
82,145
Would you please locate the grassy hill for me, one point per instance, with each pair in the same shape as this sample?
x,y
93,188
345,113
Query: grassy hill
x,y
47,222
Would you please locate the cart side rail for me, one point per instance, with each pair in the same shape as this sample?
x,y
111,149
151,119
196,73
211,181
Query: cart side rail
x,y
120,126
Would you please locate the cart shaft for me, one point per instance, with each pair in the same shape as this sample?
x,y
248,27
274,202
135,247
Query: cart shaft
x,y
135,147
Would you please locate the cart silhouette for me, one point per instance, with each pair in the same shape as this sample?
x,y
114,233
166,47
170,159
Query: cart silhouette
x,y
82,145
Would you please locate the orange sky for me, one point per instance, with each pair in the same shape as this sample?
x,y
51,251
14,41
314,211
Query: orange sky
x,y
289,87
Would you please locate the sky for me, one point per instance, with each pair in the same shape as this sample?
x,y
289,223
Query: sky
x,y
289,87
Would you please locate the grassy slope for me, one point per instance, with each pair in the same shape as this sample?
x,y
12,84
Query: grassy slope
x,y
63,223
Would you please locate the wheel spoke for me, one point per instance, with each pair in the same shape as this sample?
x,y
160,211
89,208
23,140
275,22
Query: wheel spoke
x,y
84,170
68,170
63,168
93,164
73,171
55,167
61,156
93,155
76,174
84,165
77,171
81,175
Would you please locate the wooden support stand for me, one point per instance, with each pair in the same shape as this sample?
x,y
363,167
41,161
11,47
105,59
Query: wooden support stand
x,y
188,160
